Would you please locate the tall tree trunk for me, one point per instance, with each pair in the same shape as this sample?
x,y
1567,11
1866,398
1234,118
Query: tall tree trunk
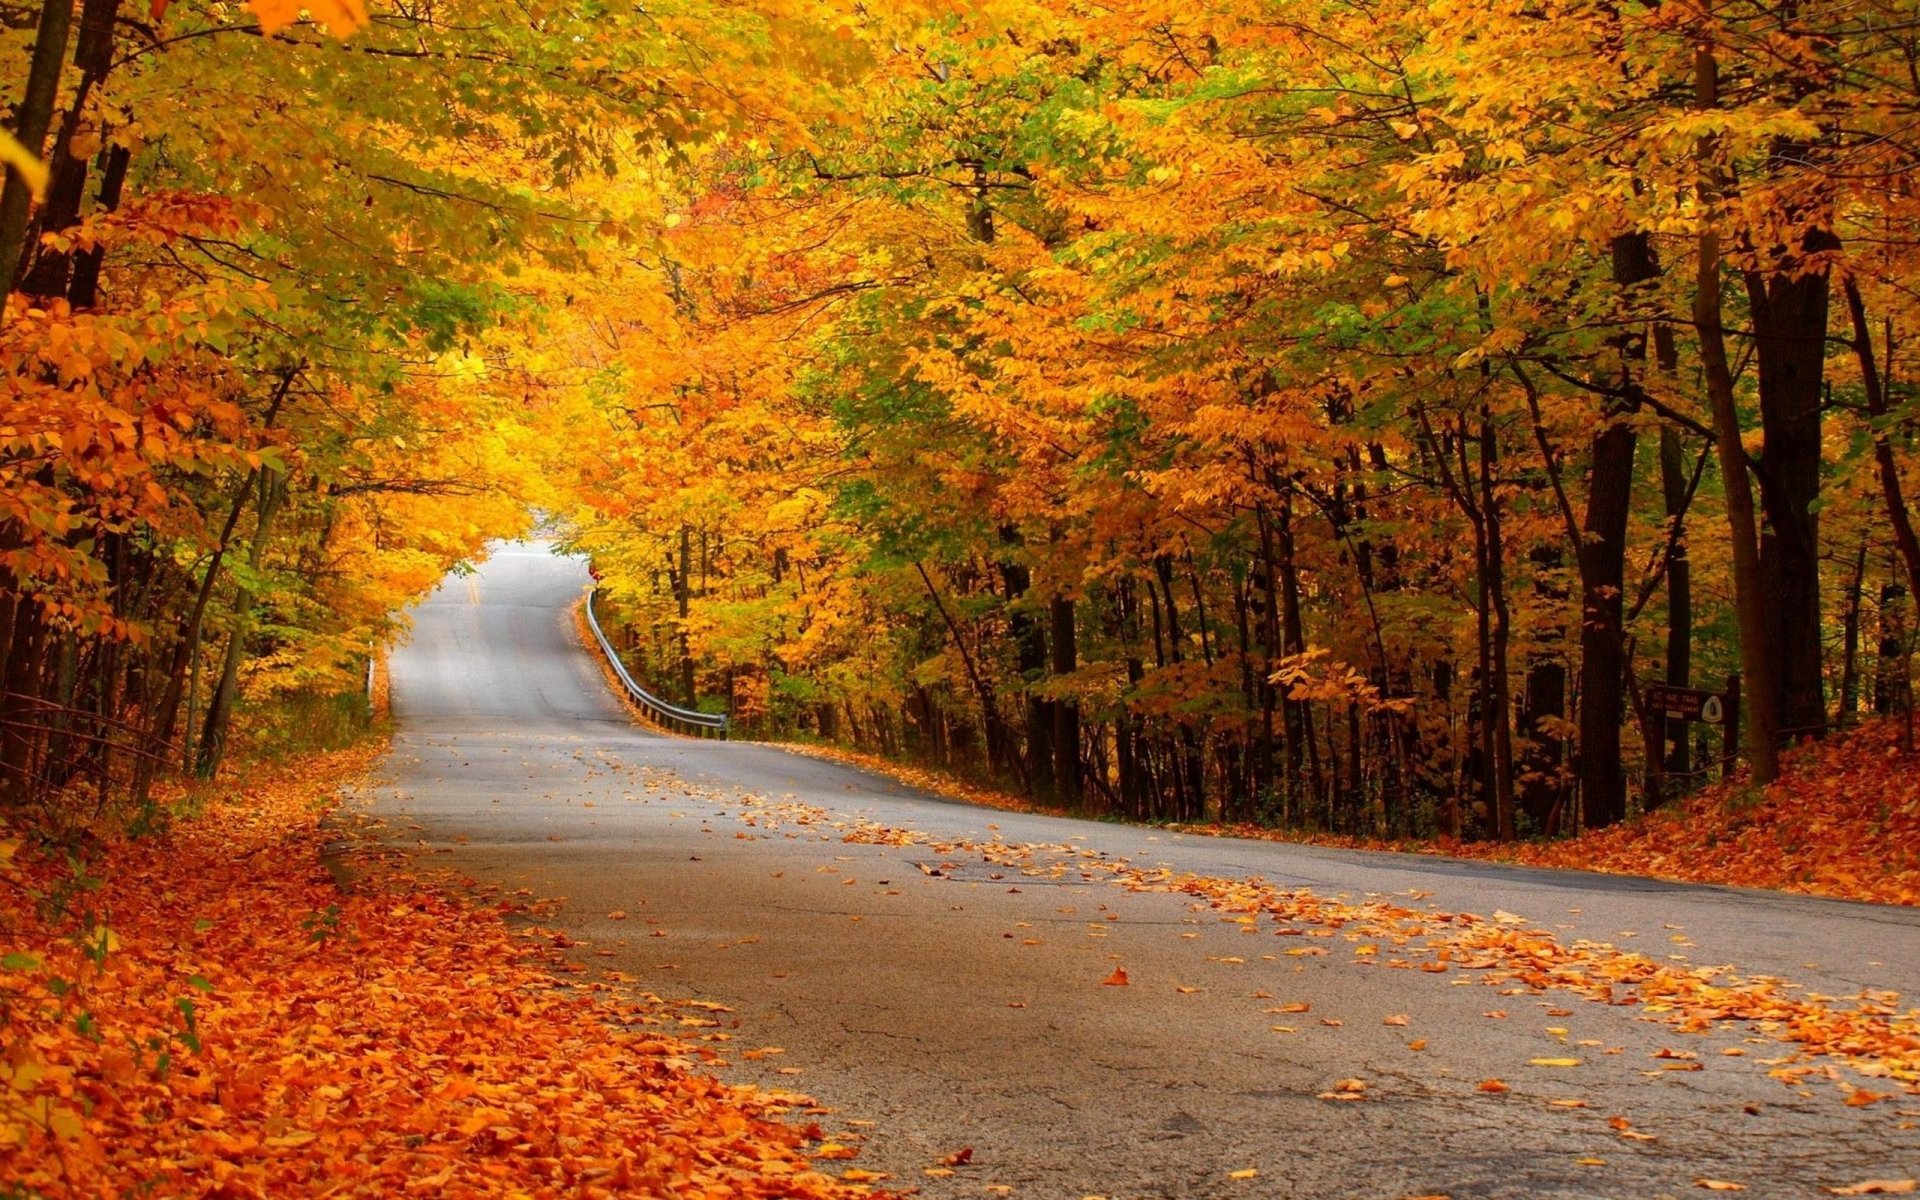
x,y
1293,642
997,751
1190,795
33,117
1892,496
1541,788
84,288
45,272
167,714
1892,686
213,736
1066,712
1030,656
1603,560
1789,311
1500,691
1673,493
1281,791
22,718
1758,656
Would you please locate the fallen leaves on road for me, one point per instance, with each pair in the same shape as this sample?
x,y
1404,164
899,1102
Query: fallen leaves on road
x,y
216,1018
1871,1035
1117,979
1878,1187
1346,1089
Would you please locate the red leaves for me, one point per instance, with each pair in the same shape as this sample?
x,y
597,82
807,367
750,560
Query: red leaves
x,y
372,1043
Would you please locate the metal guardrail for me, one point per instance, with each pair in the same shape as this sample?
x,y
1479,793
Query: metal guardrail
x,y
699,724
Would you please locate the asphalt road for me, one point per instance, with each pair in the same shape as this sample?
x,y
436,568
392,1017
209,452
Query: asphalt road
x,y
932,1012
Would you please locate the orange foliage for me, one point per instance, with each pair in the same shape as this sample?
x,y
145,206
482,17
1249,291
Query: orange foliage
x,y
1843,820
249,1031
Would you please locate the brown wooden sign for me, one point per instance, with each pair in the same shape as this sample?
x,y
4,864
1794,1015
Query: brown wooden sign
x,y
1688,704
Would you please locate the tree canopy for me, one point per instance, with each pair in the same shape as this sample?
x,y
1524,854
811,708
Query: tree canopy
x,y
1325,414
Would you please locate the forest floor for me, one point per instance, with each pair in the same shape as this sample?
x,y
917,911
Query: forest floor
x,y
1843,821
204,1011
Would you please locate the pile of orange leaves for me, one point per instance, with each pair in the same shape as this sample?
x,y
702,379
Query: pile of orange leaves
x,y
1843,820
211,1015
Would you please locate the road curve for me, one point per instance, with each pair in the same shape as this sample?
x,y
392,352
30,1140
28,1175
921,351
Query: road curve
x,y
966,1008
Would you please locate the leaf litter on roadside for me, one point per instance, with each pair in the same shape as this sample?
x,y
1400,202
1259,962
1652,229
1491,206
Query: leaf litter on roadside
x,y
241,1028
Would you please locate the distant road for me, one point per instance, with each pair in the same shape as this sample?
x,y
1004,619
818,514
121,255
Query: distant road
x,y
966,1008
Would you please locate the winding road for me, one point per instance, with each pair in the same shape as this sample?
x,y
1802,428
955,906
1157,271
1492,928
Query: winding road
x,y
934,1001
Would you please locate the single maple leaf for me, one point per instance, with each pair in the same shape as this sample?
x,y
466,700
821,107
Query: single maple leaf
x,y
1117,979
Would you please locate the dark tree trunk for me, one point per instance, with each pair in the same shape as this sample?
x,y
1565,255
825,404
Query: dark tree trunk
x,y
1603,559
1541,788
33,116
1030,657
46,274
1500,692
1673,491
1293,641
84,288
1790,344
1759,665
1066,713
1892,495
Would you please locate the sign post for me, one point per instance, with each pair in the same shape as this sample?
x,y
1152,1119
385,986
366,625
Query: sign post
x,y
1709,708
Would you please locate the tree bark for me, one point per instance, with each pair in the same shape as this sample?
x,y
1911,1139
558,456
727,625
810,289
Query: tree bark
x,y
1789,310
34,115
1066,713
1892,495
1758,656
1673,493
44,272
213,736
1603,561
